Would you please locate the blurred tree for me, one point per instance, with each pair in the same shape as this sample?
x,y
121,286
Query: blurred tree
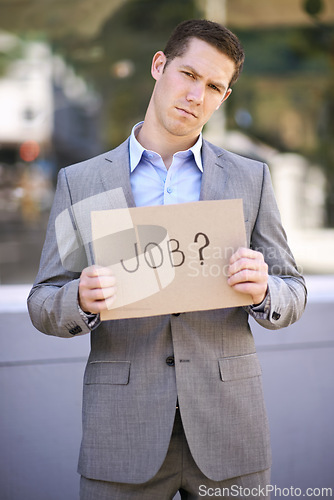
x,y
313,7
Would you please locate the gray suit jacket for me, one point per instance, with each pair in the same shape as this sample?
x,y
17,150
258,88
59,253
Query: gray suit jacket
x,y
129,390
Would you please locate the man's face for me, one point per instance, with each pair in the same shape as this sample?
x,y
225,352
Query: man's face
x,y
190,88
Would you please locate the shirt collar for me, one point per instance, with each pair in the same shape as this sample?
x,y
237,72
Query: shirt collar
x,y
136,150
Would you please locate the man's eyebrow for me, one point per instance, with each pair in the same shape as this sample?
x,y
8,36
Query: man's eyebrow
x,y
219,85
191,69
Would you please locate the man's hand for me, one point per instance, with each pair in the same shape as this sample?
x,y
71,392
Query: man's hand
x,y
96,289
248,273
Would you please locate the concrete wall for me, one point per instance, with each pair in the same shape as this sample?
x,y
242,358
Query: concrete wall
x,y
40,418
41,385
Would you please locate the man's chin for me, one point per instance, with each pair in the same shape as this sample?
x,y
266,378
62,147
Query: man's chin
x,y
180,129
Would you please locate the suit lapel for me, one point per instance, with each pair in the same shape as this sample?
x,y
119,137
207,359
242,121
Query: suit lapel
x,y
215,175
221,180
114,173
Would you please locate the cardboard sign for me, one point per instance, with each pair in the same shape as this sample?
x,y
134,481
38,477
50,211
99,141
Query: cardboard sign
x,y
170,258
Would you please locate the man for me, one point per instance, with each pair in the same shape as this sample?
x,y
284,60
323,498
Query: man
x,y
152,423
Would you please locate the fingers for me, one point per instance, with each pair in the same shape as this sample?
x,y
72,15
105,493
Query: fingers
x,y
248,273
97,290
247,265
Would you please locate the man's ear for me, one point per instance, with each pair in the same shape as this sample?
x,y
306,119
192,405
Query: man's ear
x,y
227,94
158,64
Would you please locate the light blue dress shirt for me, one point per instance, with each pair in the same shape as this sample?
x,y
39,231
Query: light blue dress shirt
x,y
153,184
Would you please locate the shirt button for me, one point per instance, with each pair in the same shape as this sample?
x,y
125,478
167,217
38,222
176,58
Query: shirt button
x,y
169,190
170,361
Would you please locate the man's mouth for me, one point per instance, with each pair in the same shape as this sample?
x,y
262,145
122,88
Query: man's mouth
x,y
186,111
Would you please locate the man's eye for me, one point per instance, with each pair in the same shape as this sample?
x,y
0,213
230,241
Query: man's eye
x,y
213,87
189,74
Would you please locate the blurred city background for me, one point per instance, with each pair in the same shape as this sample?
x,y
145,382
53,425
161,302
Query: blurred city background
x,y
74,79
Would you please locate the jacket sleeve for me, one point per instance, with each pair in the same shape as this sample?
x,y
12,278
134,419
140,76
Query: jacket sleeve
x,y
286,286
53,299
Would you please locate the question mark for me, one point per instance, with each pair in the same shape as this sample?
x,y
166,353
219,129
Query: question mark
x,y
200,251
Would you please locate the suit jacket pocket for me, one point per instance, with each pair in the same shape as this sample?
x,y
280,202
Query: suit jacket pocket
x,y
107,372
239,367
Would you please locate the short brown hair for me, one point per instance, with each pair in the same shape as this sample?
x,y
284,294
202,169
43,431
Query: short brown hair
x,y
213,33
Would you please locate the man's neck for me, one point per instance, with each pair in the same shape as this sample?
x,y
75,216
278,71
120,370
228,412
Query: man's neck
x,y
166,145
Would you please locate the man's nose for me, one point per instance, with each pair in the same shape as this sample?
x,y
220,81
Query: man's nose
x,y
196,93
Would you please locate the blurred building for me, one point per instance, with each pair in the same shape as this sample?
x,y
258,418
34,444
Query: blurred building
x,y
49,118
45,104
300,189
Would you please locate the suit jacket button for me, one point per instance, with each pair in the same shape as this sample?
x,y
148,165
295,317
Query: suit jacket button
x,y
170,361
276,316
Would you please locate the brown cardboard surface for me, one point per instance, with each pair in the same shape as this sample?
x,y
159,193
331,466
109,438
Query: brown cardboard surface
x,y
170,258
